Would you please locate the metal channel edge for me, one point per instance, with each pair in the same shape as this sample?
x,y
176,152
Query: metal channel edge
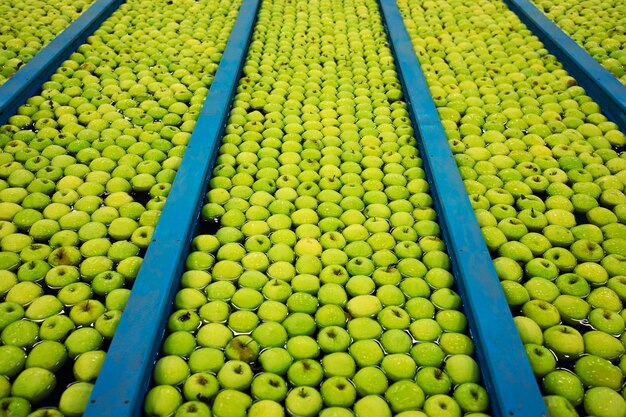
x,y
512,387
597,81
126,373
29,79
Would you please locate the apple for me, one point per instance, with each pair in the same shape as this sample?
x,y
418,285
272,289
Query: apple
x,y
75,397
471,397
398,366
604,402
11,312
543,313
48,354
557,405
396,341
372,404
242,347
595,371
15,406
160,400
333,339
565,341
404,395
193,408
302,347
20,333
441,405
433,380
304,401
275,360
462,368
86,312
541,359
565,384
571,308
235,374
34,384
170,370
206,360
606,320
305,372
13,360
338,391
200,386
268,386
601,344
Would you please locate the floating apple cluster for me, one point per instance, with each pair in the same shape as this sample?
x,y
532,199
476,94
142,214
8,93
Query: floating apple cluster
x,y
597,25
85,170
324,288
28,26
545,173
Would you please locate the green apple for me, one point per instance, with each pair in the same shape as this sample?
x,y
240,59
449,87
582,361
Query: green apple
x,y
83,340
559,406
266,408
565,341
15,406
34,384
471,397
604,345
200,386
170,370
604,402
161,400
48,354
433,380
20,333
595,371
268,386
372,405
13,360
462,368
304,401
235,374
440,405
87,365
338,391
565,384
193,408
404,395
305,372
370,380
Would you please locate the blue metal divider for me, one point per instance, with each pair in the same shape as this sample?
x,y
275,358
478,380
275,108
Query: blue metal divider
x,y
28,80
597,81
506,371
126,372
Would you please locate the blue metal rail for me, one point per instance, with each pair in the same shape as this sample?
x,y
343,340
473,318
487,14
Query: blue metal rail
x,y
507,374
597,81
126,372
28,80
